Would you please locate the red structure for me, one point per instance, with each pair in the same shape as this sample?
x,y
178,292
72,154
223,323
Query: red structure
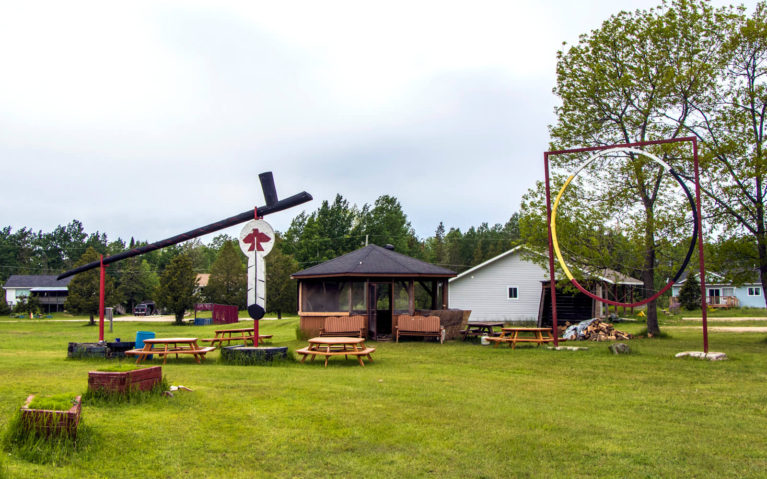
x,y
702,265
221,313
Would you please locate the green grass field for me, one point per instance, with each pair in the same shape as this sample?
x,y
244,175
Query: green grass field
x,y
421,409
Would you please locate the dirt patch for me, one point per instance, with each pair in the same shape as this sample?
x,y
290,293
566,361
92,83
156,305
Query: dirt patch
x,y
763,318
724,329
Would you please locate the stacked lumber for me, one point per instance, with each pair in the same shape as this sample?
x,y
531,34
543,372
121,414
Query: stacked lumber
x,y
599,331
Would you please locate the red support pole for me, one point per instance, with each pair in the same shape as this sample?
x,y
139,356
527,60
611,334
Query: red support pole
x,y
552,281
101,298
702,262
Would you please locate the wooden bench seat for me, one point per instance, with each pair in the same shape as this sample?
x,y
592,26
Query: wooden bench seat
x,y
336,352
425,326
163,352
344,326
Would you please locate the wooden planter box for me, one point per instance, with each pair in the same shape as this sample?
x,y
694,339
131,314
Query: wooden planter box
x,y
51,423
123,382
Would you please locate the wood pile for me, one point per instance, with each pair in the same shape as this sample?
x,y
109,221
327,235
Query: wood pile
x,y
599,331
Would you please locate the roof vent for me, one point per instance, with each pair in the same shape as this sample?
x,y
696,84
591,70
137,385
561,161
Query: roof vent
x,y
390,247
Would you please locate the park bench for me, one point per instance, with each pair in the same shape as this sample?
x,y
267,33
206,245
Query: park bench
x,y
426,326
351,326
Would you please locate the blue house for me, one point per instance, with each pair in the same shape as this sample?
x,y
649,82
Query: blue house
x,y
724,294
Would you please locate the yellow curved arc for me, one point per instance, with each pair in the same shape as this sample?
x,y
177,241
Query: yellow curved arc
x,y
554,241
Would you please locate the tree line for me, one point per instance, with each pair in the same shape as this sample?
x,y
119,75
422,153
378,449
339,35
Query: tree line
x,y
169,276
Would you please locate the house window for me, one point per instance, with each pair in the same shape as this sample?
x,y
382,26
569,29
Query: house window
x,y
513,293
755,291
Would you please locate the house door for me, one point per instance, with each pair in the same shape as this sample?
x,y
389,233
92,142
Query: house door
x,y
714,296
379,310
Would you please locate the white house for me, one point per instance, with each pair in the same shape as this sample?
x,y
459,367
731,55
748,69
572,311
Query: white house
x,y
504,288
51,292
509,288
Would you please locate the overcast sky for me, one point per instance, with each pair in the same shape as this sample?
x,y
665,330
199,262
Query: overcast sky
x,y
147,119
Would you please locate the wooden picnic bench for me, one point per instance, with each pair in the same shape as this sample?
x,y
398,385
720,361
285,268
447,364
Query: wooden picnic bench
x,y
511,336
336,346
426,326
180,346
344,326
237,334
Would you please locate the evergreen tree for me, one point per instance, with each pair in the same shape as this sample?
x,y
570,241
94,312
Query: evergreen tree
x,y
178,283
228,283
689,294
83,296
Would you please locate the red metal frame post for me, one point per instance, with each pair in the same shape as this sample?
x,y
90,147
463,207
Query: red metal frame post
x,y
101,298
255,321
702,261
552,280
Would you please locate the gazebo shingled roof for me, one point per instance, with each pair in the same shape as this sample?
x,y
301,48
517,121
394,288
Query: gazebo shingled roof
x,y
373,260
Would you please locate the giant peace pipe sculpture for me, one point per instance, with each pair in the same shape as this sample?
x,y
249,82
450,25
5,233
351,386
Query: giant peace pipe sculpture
x,y
273,205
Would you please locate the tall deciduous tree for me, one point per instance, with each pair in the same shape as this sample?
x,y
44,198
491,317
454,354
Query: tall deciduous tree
x,y
83,295
178,284
228,283
627,82
730,121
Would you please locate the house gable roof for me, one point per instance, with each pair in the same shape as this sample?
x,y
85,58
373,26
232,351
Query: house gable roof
x,y
373,260
490,261
36,281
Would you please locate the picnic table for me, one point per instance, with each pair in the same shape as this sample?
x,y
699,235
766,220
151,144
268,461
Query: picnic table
x,y
511,336
237,334
166,346
336,346
480,329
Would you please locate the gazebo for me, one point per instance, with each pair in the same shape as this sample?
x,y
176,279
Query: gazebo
x,y
379,284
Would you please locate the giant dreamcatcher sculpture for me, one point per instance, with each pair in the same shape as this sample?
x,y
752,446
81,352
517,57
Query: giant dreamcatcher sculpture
x,y
696,237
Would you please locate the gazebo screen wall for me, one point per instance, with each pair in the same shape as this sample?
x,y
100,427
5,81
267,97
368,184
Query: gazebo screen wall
x,y
333,296
324,297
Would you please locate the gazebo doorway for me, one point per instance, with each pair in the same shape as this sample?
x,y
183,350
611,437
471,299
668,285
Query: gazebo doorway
x,y
380,308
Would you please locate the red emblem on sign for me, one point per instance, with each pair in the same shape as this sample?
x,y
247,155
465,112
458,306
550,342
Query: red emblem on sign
x,y
255,238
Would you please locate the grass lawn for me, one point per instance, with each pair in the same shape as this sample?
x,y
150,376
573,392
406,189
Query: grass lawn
x,y
421,409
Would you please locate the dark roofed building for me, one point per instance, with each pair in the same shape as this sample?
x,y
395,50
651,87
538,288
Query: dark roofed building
x,y
373,260
51,292
374,282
